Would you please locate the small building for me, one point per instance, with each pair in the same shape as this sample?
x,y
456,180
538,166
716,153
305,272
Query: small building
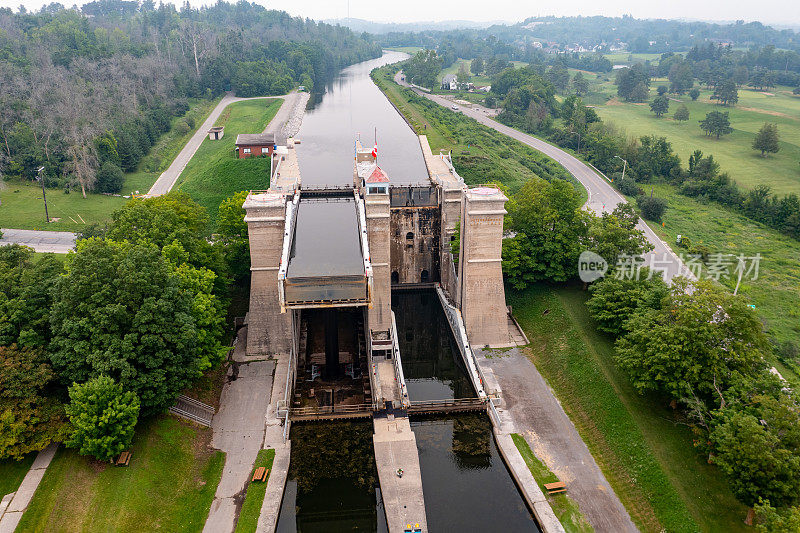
x,y
377,182
216,133
450,82
254,144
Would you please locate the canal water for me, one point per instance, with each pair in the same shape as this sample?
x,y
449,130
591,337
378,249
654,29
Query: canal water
x,y
353,105
466,483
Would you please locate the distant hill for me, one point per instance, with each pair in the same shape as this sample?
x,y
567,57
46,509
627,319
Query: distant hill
x,y
361,25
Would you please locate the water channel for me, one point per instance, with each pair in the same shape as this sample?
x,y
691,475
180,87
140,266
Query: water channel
x,y
333,483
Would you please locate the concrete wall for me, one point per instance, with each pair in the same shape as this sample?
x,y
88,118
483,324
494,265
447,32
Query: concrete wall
x,y
378,231
269,330
411,256
481,293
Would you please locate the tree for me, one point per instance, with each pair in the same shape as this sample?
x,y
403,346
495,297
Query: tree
x,y
771,520
682,113
716,123
660,105
661,90
233,237
423,68
476,67
121,310
614,300
30,416
103,417
580,84
694,93
559,77
767,139
109,178
726,92
614,234
690,348
639,93
652,208
632,83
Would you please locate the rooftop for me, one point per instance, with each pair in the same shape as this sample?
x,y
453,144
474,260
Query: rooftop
x,y
255,139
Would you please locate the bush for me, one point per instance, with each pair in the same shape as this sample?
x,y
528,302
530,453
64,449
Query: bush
x,y
652,208
662,90
190,122
694,93
182,127
628,187
109,178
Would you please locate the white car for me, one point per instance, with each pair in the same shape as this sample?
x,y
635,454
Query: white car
x,y
454,107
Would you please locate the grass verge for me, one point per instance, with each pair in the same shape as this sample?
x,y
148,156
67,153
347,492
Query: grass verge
x,y
214,173
251,508
168,486
645,453
12,472
565,508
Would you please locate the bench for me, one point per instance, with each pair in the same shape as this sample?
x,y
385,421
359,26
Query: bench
x,y
123,459
258,474
555,488
265,475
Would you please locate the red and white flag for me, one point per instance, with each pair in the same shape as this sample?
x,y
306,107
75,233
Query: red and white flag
x,y
375,151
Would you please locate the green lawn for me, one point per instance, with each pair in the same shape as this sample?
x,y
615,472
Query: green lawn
x,y
251,508
647,457
563,506
23,208
12,472
214,173
169,485
780,171
477,80
776,292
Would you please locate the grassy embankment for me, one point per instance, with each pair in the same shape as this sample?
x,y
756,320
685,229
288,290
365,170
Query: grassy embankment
x,y
565,508
647,457
734,152
169,485
23,207
254,498
480,153
214,173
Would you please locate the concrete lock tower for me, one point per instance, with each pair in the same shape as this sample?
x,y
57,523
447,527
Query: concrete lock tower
x,y
481,294
269,330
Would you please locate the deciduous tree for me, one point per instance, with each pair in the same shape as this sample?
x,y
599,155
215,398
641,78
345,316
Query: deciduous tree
x,y
660,105
767,139
716,123
682,113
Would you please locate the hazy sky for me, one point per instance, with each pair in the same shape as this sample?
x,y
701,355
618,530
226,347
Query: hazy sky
x,y
782,12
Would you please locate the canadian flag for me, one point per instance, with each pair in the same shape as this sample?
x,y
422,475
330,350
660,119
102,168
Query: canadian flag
x,y
375,151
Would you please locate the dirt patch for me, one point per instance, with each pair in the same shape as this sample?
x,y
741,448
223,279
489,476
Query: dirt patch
x,y
768,94
766,112
208,387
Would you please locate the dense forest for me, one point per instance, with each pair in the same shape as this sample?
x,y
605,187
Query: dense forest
x,y
94,88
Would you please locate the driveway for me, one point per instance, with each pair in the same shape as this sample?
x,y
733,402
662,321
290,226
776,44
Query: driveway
x,y
602,196
59,242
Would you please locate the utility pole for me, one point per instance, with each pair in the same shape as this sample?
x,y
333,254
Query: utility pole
x,y
624,165
44,195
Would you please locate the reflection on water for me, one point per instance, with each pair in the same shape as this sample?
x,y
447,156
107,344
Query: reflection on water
x,y
332,480
466,484
353,105
432,364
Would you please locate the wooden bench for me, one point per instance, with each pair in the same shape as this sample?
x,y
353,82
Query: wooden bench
x,y
123,459
259,473
265,475
555,488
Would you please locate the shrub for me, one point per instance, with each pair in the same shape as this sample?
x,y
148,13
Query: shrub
x,y
109,178
652,208
694,93
628,187
182,127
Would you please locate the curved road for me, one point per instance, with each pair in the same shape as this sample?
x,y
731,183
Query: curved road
x,y
602,196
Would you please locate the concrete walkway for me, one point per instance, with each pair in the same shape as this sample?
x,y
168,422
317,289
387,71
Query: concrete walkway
x,y
166,181
602,195
19,501
238,430
530,408
59,242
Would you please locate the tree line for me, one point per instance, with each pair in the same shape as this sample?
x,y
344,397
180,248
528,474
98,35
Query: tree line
x,y
93,89
133,317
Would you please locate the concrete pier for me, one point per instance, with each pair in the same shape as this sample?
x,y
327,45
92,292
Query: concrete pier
x,y
396,448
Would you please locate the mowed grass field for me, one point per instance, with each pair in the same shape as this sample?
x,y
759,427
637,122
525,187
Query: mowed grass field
x,y
12,472
734,152
214,173
23,208
169,485
646,455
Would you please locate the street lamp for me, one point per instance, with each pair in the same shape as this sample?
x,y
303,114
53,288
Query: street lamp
x,y
44,195
624,165
579,139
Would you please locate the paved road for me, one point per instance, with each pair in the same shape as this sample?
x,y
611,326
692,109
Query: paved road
x,y
166,181
602,196
239,427
537,415
59,242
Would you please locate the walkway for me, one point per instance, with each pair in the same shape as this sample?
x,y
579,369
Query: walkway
x,y
12,509
602,196
59,242
238,430
530,408
166,181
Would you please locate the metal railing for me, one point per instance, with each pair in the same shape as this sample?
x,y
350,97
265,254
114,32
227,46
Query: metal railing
x,y
398,366
361,409
448,405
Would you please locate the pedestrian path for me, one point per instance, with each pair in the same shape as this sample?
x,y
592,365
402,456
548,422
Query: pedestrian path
x,y
15,507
